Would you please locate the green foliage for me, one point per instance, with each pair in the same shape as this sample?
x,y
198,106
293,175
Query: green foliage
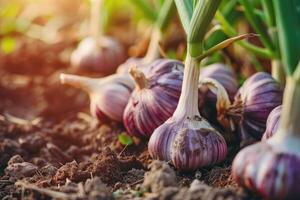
x,y
125,139
288,25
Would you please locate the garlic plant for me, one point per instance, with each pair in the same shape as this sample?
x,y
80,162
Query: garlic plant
x,y
271,168
97,52
109,96
186,139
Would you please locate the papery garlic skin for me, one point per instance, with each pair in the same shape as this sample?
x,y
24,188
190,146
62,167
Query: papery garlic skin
x,y
224,75
102,56
207,100
152,105
270,168
258,96
272,123
188,144
108,96
110,102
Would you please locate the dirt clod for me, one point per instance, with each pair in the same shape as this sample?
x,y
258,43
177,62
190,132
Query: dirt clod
x,y
161,175
19,170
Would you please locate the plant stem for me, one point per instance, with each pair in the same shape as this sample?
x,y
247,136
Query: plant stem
x,y
161,23
95,22
288,24
269,12
139,78
231,32
289,123
202,17
153,49
79,82
164,14
185,11
277,71
257,24
146,8
188,101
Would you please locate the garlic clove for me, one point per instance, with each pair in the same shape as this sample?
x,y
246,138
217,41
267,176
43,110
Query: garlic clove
x,y
108,96
102,56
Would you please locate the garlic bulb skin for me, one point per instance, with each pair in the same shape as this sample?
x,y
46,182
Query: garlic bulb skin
x,y
188,143
258,96
108,96
270,168
272,123
154,98
187,140
224,75
207,100
102,56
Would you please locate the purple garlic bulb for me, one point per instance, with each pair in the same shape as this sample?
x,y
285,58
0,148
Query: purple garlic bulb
x,y
108,96
186,139
102,56
207,100
272,123
189,143
270,168
155,96
258,96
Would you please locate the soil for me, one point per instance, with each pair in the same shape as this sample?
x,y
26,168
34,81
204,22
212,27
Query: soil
x,y
50,147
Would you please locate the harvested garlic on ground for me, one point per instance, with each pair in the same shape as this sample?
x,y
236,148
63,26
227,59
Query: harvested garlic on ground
x,y
155,96
108,96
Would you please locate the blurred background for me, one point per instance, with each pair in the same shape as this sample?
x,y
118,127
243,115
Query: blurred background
x,y
38,36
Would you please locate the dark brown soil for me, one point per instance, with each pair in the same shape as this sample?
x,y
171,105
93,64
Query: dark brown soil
x,y
50,148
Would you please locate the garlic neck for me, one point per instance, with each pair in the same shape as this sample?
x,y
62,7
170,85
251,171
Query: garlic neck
x,y
95,22
223,103
290,117
79,82
91,85
153,49
139,77
188,101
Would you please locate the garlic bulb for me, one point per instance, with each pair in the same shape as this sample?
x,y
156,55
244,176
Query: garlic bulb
x,y
155,97
108,95
258,96
207,99
186,139
272,123
271,167
103,55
